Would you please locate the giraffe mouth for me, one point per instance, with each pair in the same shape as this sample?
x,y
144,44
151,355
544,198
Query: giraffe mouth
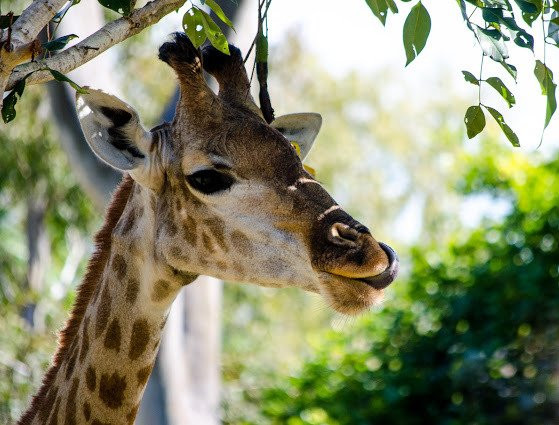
x,y
382,280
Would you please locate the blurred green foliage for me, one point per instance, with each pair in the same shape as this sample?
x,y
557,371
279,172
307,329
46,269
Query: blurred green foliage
x,y
469,338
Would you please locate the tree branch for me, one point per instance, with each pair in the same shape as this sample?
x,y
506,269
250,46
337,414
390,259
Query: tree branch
x,y
112,33
18,44
32,20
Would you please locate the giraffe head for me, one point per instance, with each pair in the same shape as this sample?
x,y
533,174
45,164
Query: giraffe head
x,y
232,198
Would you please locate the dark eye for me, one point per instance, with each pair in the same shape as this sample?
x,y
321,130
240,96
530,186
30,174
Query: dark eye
x,y
210,181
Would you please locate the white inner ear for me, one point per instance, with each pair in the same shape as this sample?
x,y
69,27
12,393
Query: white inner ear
x,y
301,128
96,125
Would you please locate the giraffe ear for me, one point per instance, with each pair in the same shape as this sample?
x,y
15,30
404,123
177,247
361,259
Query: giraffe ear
x,y
299,128
113,130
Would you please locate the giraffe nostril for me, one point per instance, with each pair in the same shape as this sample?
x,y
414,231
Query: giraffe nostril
x,y
343,235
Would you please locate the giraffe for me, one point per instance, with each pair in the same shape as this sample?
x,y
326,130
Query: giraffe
x,y
217,191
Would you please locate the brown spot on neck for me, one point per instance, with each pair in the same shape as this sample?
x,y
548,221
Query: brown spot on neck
x,y
90,379
139,339
103,310
143,375
70,413
87,411
161,290
112,337
111,390
119,266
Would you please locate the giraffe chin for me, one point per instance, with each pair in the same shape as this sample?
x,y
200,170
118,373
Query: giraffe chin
x,y
348,296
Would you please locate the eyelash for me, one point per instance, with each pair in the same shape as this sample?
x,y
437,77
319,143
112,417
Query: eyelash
x,y
210,181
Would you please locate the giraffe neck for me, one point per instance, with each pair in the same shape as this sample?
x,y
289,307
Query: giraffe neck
x,y
102,366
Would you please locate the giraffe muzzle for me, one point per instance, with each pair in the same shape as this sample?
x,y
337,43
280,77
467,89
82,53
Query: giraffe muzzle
x,y
384,279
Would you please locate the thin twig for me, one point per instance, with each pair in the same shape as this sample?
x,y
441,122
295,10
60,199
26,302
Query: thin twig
x,y
262,74
256,37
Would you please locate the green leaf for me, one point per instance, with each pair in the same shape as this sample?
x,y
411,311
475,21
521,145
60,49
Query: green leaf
x,y
58,76
261,48
531,9
193,26
474,120
379,9
498,85
416,31
59,43
503,4
490,14
216,8
511,69
492,43
124,7
9,104
544,76
511,135
392,6
526,6
470,78
521,37
524,39
214,34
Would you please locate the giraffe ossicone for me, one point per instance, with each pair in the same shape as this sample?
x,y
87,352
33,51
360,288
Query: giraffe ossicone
x,y
217,191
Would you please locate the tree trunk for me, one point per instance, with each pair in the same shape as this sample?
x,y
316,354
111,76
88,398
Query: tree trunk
x,y
39,254
190,354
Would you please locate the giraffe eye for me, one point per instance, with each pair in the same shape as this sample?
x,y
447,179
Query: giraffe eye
x,y
210,181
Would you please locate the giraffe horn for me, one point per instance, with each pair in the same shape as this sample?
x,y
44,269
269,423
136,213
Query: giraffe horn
x,y
186,60
230,73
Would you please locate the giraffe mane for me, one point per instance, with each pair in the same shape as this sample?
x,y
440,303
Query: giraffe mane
x,y
85,291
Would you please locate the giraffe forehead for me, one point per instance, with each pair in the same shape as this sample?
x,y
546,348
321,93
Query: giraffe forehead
x,y
249,148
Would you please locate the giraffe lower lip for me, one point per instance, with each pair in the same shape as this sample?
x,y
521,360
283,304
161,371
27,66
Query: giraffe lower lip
x,y
384,279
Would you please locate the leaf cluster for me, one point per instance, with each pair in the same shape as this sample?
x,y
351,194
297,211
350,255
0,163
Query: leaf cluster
x,y
495,25
199,26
